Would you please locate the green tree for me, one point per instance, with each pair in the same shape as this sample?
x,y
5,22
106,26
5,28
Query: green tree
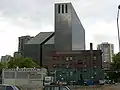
x,y
3,65
22,62
115,67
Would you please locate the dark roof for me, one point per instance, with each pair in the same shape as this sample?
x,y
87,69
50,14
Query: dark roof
x,y
39,38
50,41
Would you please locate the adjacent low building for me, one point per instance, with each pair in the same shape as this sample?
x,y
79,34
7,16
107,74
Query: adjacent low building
x,y
5,58
86,63
107,54
17,54
22,40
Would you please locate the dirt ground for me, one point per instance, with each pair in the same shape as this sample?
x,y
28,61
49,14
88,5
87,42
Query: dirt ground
x,y
104,87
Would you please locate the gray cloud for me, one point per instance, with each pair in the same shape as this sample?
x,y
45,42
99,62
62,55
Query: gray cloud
x,y
39,12
32,16
103,38
28,13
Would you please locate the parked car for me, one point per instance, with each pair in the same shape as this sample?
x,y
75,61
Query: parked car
x,y
8,87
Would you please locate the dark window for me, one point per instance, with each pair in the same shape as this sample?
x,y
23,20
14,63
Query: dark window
x,y
66,8
9,88
54,65
55,58
80,63
62,8
2,87
57,65
94,58
85,70
94,63
63,65
59,8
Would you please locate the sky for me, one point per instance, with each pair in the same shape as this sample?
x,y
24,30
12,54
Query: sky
x,y
29,17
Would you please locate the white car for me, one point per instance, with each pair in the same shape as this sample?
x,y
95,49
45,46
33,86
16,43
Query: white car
x,y
8,87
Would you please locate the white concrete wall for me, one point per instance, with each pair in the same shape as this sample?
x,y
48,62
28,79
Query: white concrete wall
x,y
22,81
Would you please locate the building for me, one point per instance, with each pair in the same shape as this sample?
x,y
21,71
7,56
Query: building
x,y
34,48
69,32
68,29
65,47
86,63
17,54
5,58
108,51
22,41
24,77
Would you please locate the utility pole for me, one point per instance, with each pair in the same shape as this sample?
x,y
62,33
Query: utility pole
x,y
118,27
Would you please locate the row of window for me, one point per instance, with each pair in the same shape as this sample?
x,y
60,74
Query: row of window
x,y
64,8
67,58
70,65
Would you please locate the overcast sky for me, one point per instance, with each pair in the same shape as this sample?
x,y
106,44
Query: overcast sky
x,y
29,17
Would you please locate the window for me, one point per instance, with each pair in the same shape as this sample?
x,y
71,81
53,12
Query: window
x,y
94,62
85,70
71,58
95,73
59,8
85,65
2,87
79,62
62,8
54,65
71,73
66,58
55,58
57,65
15,88
94,68
9,88
94,58
66,8
63,65
85,58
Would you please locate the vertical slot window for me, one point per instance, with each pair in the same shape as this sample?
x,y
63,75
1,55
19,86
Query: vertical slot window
x,y
66,8
59,8
62,8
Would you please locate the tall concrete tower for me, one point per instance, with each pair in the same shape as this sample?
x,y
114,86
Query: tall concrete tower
x,y
107,53
69,32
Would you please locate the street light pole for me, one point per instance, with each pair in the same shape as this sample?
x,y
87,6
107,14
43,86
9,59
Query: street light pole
x,y
118,26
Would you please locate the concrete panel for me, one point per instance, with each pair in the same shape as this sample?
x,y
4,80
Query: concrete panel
x,y
63,30
78,33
